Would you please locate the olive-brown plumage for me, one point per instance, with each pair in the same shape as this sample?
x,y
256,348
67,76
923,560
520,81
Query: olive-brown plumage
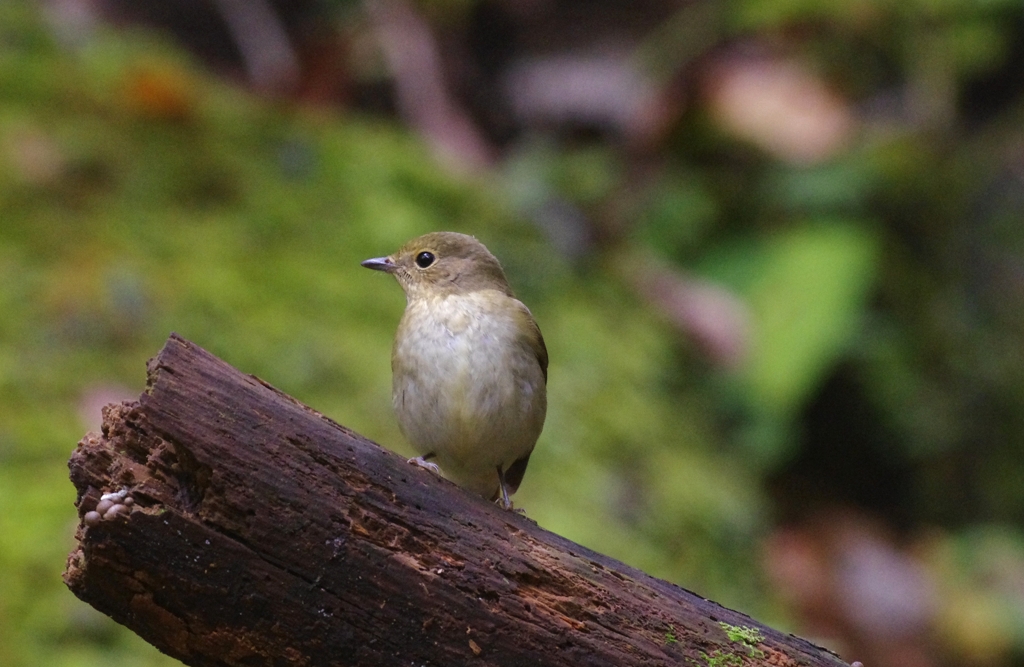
x,y
469,365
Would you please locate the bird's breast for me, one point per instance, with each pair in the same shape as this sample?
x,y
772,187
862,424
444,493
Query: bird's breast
x,y
464,383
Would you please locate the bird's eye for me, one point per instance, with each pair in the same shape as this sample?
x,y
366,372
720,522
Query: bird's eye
x,y
424,259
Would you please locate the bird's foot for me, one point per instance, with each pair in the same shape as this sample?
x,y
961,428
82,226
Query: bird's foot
x,y
503,500
510,507
421,462
505,503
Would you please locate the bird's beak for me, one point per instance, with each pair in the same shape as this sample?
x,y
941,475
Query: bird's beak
x,y
380,264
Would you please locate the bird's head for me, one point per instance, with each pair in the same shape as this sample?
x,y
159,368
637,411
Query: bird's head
x,y
441,264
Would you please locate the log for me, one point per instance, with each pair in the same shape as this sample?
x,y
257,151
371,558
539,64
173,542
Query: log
x,y
250,529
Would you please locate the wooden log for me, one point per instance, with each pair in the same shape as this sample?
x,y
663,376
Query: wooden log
x,y
260,532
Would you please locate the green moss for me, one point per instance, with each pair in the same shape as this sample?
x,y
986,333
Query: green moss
x,y
718,658
747,636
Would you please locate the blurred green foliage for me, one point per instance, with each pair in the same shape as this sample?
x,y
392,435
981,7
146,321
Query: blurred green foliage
x,y
886,360
806,289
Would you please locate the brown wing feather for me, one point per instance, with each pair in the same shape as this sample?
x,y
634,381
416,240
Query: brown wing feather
x,y
535,340
514,474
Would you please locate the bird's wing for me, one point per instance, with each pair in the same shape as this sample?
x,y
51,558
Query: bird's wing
x,y
514,473
533,339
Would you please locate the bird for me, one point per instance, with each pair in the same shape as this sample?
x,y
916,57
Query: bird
x,y
469,364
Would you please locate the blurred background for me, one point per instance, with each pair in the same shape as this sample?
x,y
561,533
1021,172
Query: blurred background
x,y
775,247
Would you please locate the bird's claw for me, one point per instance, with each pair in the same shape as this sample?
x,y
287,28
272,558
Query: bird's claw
x,y
515,510
421,462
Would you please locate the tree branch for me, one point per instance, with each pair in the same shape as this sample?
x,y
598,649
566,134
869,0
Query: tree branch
x,y
260,532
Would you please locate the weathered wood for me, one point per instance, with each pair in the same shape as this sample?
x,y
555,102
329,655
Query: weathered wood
x,y
263,533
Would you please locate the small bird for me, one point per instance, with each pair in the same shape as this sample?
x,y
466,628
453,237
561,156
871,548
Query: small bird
x,y
469,366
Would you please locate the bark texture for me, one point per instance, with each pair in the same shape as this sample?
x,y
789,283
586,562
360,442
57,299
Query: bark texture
x,y
263,533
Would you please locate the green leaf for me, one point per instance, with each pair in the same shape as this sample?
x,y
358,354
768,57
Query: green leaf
x,y
806,289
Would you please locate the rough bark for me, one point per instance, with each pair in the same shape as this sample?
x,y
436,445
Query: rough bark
x,y
263,533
